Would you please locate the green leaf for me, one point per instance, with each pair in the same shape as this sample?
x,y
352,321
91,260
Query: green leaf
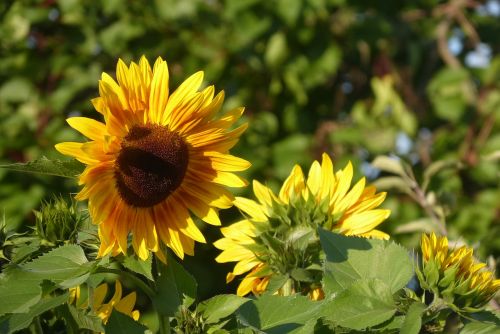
x,y
18,295
278,314
70,169
63,263
390,165
119,323
437,166
302,275
20,286
350,258
275,283
18,321
450,91
392,183
486,316
219,307
480,328
84,320
176,287
139,266
413,319
366,303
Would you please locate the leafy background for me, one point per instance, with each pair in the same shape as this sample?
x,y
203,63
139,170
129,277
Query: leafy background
x,y
416,80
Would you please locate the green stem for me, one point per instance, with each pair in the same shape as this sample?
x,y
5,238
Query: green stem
x,y
143,286
164,321
38,325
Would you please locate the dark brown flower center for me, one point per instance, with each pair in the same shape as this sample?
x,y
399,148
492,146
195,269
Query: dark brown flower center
x,y
151,164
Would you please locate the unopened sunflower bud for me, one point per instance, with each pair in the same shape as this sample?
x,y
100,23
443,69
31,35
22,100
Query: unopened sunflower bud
x,y
58,222
277,244
454,275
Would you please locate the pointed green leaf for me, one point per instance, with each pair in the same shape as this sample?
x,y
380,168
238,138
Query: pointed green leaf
x,y
119,323
480,328
413,319
139,266
175,287
275,283
84,320
220,307
366,303
278,314
18,321
70,169
350,258
61,264
18,295
20,284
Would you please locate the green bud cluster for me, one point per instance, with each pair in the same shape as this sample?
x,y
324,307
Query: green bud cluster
x,y
289,245
58,222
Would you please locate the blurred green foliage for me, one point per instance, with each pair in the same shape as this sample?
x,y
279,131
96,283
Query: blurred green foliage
x,y
419,80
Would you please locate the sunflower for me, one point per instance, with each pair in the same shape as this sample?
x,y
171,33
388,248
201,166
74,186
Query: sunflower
x,y
265,243
455,274
103,310
157,157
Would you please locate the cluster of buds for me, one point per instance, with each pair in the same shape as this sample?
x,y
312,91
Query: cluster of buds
x,y
454,275
58,222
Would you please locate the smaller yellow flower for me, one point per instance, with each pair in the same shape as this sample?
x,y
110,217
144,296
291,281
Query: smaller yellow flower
x,y
265,243
103,310
455,274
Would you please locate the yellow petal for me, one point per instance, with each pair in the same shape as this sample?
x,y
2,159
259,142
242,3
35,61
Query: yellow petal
x,y
201,209
350,198
159,91
314,178
99,294
75,150
126,304
344,178
180,216
187,88
251,208
293,185
245,265
376,234
246,285
226,162
363,222
263,194
90,128
118,293
234,254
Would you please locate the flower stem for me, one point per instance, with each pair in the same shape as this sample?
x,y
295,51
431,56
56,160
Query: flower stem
x,y
164,321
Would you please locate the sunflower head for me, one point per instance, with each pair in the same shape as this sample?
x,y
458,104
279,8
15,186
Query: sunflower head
x,y
278,238
158,157
455,275
103,309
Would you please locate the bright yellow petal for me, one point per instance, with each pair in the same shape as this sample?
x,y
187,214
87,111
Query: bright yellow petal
x,y
159,92
251,208
187,88
88,127
75,150
314,178
126,305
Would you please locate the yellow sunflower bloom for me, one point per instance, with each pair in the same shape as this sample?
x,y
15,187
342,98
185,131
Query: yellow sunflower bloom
x,y
157,156
325,198
455,275
103,310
